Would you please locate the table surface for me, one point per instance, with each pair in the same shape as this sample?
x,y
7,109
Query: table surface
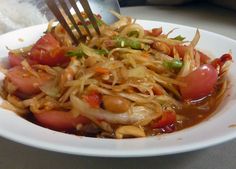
x,y
219,20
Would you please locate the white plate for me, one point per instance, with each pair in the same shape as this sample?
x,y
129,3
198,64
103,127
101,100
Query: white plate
x,y
210,132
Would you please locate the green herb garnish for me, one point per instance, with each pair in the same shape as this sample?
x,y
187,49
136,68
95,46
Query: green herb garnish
x,y
78,53
125,42
133,34
173,64
179,38
101,51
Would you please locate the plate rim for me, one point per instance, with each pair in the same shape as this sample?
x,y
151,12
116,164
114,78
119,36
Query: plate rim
x,y
117,153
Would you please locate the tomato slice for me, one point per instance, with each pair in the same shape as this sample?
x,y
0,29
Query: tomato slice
x,y
59,120
26,83
47,51
199,83
168,118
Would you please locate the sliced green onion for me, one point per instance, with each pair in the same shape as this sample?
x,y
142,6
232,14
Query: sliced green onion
x,y
173,64
125,42
79,53
101,51
133,34
179,38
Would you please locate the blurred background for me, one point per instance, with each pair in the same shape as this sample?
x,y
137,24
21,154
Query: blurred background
x,y
224,3
15,14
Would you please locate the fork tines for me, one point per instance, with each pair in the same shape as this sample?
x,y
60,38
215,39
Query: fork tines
x,y
54,7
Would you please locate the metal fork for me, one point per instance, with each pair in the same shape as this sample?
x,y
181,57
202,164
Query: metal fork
x,y
54,6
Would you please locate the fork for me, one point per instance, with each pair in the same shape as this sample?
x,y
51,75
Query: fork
x,y
54,6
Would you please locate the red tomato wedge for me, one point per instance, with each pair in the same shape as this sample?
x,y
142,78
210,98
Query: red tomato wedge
x,y
47,51
15,59
59,120
26,83
199,83
156,31
168,118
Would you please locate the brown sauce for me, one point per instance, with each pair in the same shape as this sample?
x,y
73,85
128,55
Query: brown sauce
x,y
191,113
194,114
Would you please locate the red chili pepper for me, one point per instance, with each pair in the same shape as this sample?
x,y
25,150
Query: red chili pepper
x,y
94,99
219,62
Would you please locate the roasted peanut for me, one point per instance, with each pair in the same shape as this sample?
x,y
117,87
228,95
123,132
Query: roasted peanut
x,y
90,61
133,131
116,104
